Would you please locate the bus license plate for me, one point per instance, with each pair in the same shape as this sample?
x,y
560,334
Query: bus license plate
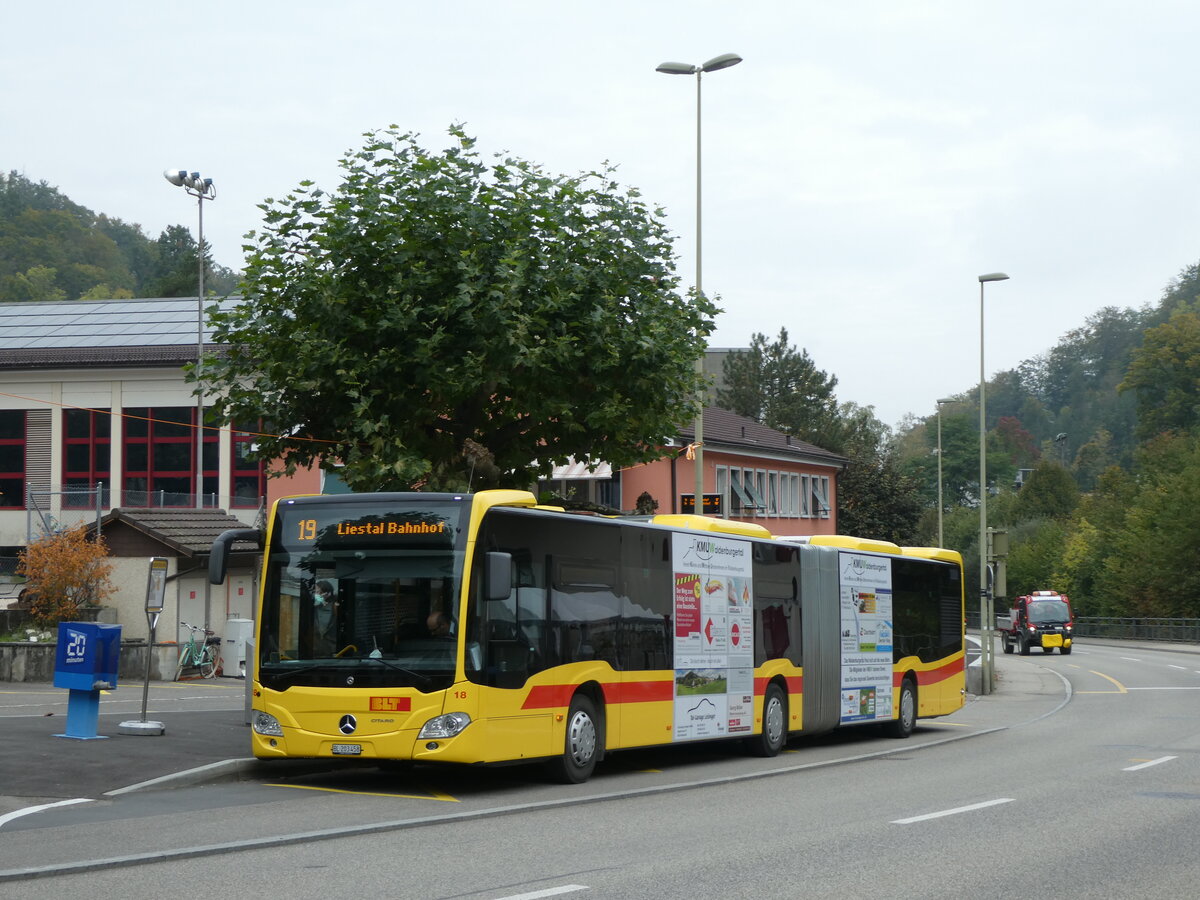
x,y
347,749
1052,640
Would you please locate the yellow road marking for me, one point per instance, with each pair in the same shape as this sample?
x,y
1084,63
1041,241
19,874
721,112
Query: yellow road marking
x,y
432,795
1121,689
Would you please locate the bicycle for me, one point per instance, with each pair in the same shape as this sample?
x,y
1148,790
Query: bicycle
x,y
204,657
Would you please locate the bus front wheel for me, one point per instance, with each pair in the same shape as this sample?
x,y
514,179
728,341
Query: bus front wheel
x,y
581,746
774,724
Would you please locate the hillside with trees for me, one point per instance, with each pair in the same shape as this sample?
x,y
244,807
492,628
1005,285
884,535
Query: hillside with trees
x,y
52,249
1093,455
1093,448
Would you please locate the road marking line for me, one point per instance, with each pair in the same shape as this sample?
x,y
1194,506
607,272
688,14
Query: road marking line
x,y
1121,689
1166,687
432,795
952,812
548,892
1131,658
1180,668
30,810
1149,763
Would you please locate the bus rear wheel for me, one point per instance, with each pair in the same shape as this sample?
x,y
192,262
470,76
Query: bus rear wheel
x,y
581,746
906,715
774,724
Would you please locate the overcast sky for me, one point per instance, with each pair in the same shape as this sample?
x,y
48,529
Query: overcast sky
x,y
862,166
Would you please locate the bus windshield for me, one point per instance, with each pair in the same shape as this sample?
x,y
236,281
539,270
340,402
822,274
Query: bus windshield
x,y
362,595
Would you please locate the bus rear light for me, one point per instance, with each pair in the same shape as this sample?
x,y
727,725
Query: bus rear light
x,y
446,726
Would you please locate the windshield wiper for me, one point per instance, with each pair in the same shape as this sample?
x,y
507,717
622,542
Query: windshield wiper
x,y
399,668
286,674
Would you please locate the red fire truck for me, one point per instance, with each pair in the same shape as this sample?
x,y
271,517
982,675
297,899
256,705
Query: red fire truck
x,y
1039,619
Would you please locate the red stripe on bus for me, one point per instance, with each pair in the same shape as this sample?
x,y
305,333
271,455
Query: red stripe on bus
x,y
933,676
557,696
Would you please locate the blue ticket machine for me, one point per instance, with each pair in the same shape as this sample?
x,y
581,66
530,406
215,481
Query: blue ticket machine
x,y
86,662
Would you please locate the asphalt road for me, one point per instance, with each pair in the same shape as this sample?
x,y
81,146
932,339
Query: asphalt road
x,y
1081,766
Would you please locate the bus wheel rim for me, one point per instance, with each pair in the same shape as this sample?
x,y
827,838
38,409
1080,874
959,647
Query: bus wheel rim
x,y
774,723
582,738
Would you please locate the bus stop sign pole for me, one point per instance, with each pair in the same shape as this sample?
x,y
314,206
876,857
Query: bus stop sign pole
x,y
156,589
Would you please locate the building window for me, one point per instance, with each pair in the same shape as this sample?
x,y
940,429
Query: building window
x,y
12,459
87,457
160,451
723,489
742,504
820,496
773,493
249,474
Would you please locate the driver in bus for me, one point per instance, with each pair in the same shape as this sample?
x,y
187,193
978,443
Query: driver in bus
x,y
324,618
439,624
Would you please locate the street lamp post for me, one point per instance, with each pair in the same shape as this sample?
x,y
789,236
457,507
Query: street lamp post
x,y
202,189
724,61
1061,440
985,594
941,505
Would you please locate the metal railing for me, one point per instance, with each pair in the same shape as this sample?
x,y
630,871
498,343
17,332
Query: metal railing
x,y
1119,628
1173,630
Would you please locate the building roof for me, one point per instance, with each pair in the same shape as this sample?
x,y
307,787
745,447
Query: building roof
x,y
189,532
725,430
90,333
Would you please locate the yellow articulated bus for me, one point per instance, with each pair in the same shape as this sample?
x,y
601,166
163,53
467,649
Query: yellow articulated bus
x,y
483,628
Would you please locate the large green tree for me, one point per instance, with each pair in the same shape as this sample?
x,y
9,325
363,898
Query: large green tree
x,y
779,385
443,322
1165,375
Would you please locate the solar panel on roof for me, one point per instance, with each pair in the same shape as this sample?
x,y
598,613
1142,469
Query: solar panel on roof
x,y
112,323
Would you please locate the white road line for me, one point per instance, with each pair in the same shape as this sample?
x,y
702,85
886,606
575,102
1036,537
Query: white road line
x,y
952,812
1180,668
1146,765
548,892
30,810
1131,658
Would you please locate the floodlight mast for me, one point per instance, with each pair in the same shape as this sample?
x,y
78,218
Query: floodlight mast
x,y
202,189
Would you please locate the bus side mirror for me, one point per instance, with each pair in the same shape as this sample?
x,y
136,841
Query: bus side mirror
x,y
497,575
218,559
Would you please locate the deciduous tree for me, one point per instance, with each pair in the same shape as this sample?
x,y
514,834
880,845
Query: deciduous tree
x,y
65,571
434,299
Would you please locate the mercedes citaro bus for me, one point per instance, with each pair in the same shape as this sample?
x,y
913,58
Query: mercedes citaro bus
x,y
483,628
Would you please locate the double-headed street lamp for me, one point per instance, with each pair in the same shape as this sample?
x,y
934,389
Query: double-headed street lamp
x,y
986,621
202,189
724,61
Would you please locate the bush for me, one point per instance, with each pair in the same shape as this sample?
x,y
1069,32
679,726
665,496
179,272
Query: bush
x,y
66,571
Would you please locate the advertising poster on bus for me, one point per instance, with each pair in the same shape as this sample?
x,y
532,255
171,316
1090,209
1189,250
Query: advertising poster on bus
x,y
866,599
714,640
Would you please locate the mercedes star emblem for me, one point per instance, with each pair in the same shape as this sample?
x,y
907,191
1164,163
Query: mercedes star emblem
x,y
347,725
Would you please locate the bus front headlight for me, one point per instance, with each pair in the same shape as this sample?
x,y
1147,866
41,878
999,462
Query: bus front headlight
x,y
265,723
446,726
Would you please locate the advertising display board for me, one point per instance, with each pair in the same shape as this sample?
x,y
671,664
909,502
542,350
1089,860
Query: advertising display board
x,y
866,598
714,639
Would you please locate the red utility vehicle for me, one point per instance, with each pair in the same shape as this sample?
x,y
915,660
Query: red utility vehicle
x,y
1040,619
